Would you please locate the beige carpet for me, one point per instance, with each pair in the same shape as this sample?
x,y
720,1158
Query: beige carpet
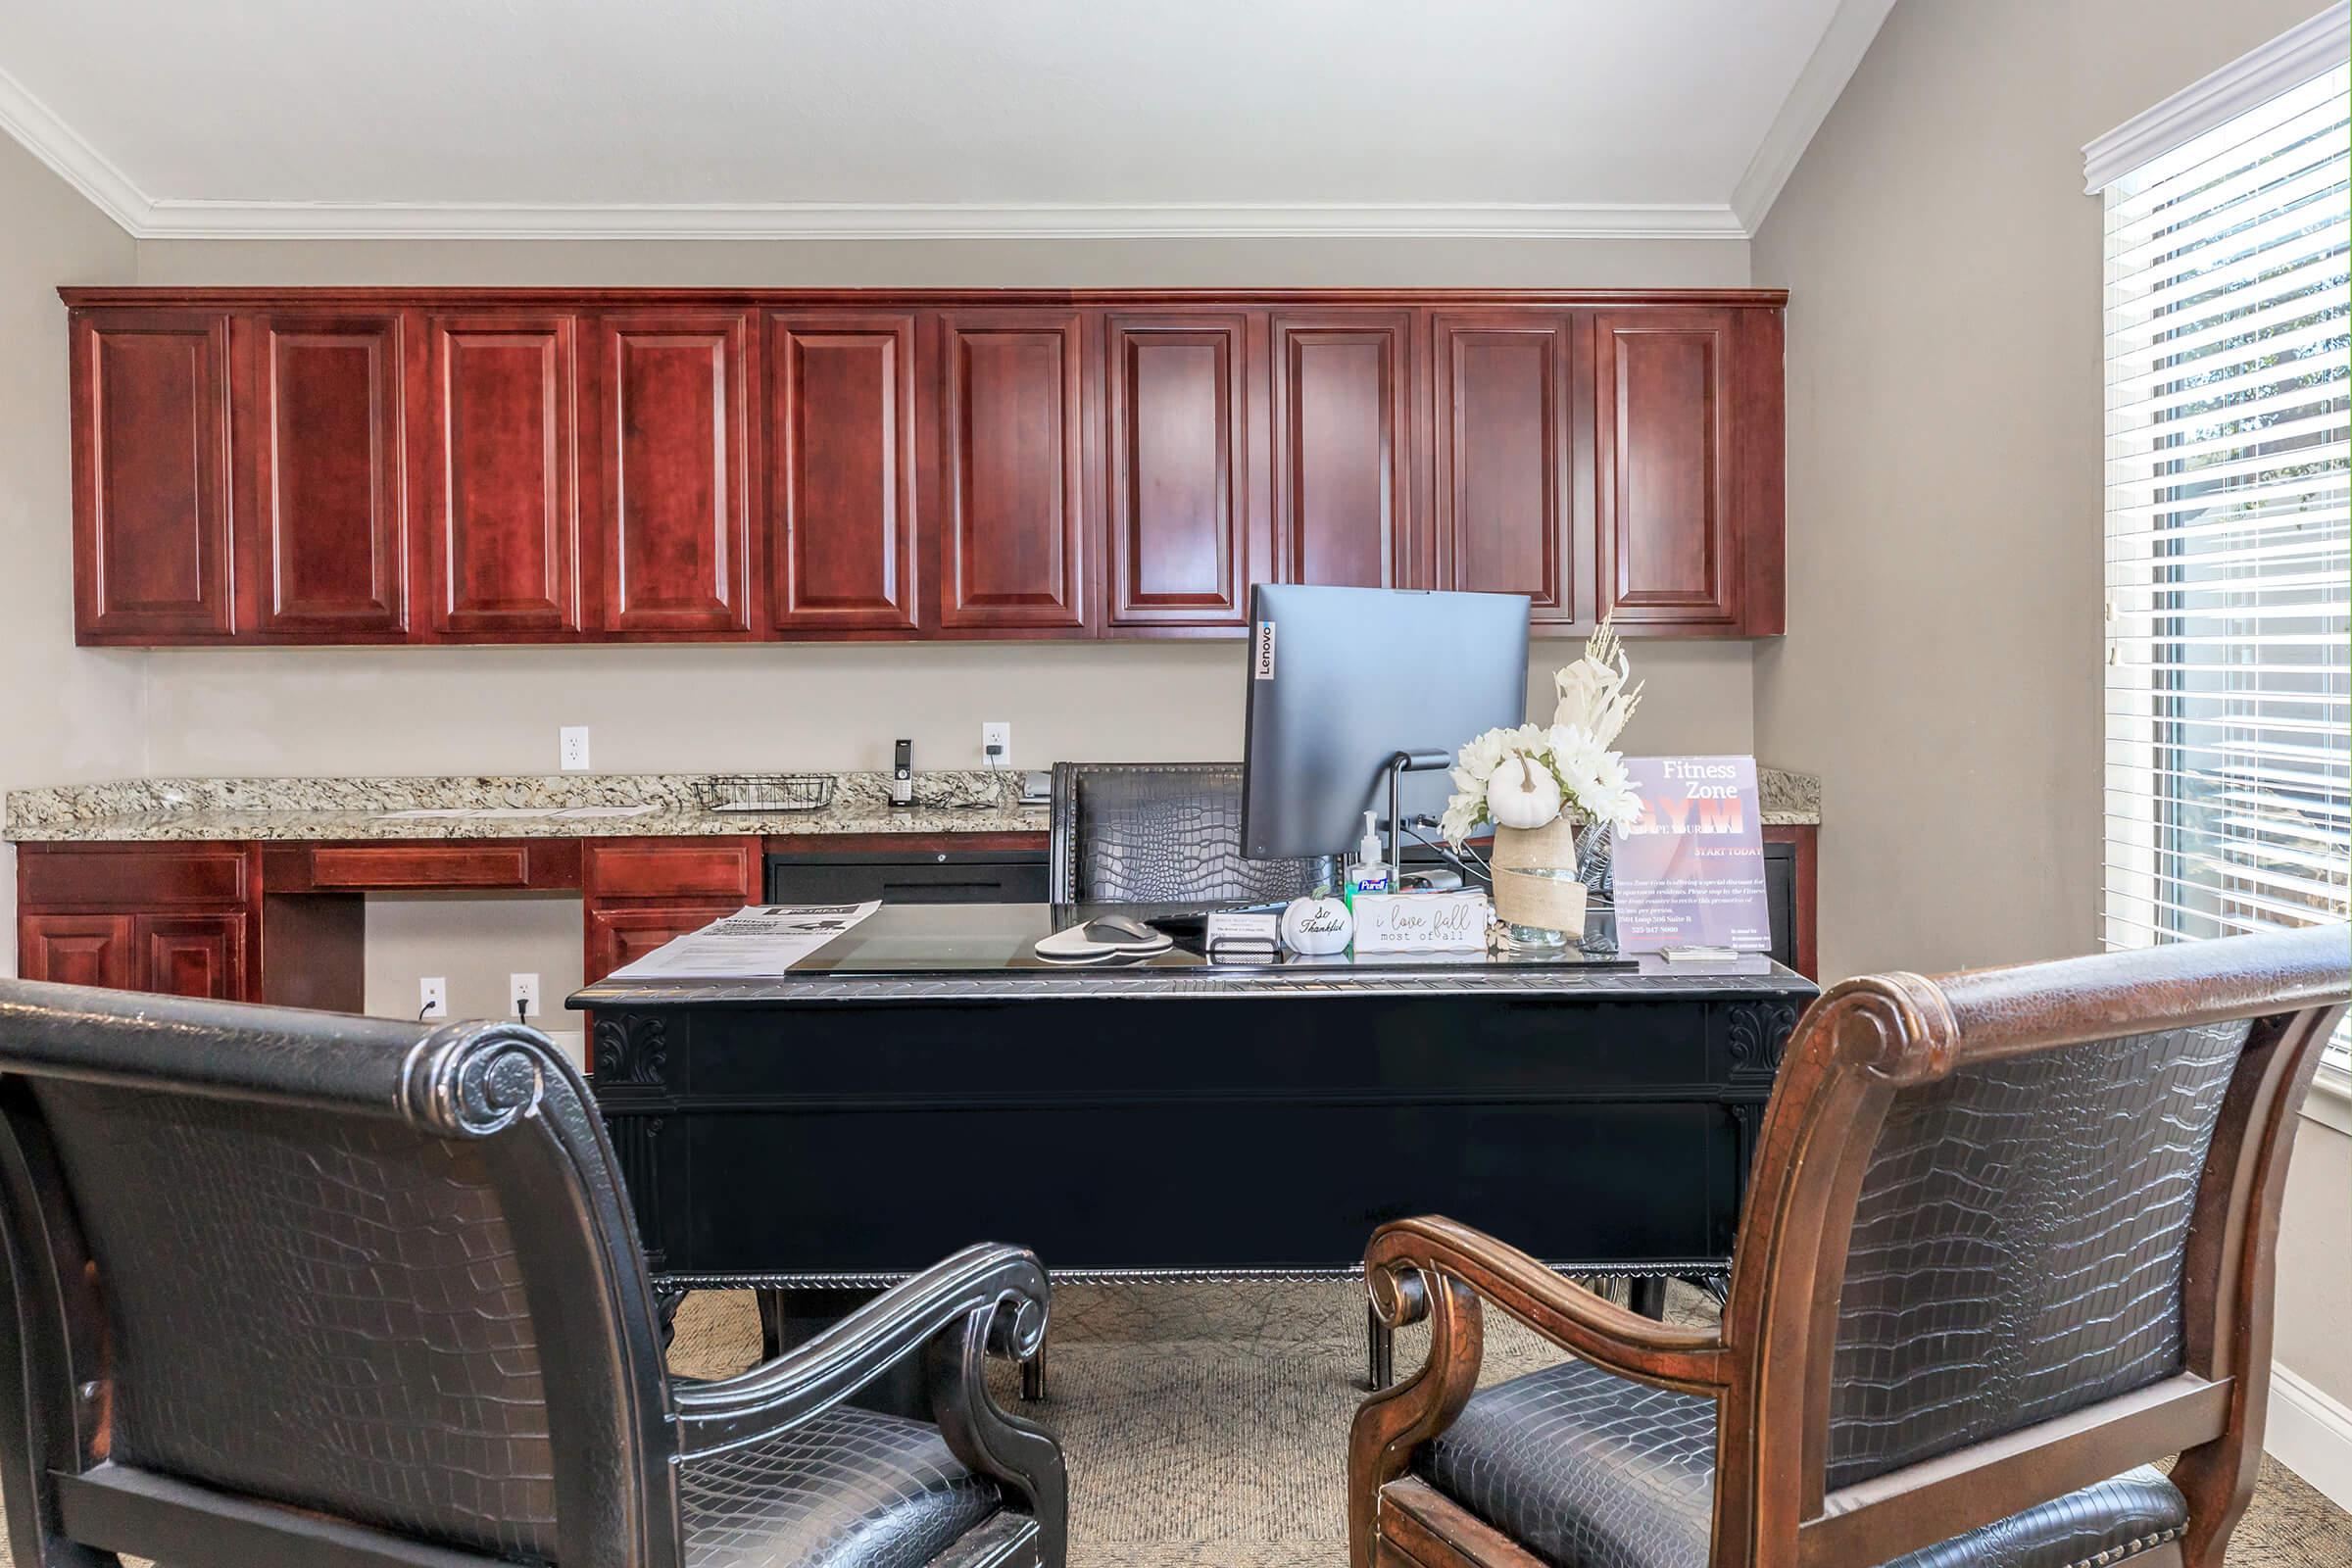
x,y
1206,1426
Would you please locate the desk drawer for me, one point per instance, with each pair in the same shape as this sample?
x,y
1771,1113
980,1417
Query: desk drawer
x,y
495,866
716,869
133,876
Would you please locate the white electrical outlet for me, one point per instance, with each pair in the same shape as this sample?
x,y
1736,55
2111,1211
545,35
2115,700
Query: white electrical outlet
x,y
571,748
998,734
432,992
522,990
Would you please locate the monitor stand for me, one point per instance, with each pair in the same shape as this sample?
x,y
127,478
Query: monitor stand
x,y
1401,763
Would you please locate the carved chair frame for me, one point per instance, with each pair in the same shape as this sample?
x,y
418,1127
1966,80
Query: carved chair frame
x,y
1768,1364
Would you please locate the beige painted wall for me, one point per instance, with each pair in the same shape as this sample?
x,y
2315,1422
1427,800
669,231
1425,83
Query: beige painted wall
x,y
1944,407
64,714
2315,1266
1944,534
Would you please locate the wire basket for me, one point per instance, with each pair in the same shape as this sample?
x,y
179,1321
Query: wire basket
x,y
765,792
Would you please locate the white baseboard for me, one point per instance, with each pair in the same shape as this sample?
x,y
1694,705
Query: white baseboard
x,y
2310,1432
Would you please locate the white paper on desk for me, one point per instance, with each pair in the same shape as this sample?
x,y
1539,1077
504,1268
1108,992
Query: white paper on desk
x,y
756,942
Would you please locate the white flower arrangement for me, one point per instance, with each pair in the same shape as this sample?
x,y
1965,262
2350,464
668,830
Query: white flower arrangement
x,y
1567,770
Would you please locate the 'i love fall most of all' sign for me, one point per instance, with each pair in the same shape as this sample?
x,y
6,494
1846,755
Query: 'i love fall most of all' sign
x,y
1690,872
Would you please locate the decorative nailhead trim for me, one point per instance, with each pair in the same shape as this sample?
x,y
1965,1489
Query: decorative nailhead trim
x,y
2131,1549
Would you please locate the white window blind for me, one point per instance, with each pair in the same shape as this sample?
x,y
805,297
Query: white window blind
x,y
2228,680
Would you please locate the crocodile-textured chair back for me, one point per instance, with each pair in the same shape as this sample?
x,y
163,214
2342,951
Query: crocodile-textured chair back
x,y
336,1268
1161,833
2017,1243
2043,1201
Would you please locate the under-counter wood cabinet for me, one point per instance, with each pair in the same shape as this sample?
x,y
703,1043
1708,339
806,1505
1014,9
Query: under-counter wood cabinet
x,y
78,949
1502,459
151,477
665,475
1187,532
502,526
1342,448
1009,515
323,520
536,466
840,473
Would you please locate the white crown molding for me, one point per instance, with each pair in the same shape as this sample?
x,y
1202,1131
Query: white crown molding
x,y
2310,1432
2288,61
1843,43
74,160
58,145
929,220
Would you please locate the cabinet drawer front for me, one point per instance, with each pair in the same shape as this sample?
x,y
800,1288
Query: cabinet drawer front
x,y
724,868
503,866
141,878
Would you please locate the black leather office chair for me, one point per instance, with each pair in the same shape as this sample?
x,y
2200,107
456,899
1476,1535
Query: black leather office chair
x,y
294,1288
1163,833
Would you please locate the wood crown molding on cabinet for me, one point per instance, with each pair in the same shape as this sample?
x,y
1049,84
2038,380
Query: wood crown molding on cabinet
x,y
528,466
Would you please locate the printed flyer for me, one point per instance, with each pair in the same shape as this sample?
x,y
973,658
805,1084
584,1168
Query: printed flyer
x,y
1690,872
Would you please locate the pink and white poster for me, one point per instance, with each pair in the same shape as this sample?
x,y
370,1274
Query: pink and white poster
x,y
1690,872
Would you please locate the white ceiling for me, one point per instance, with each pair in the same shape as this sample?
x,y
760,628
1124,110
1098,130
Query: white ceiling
x,y
927,116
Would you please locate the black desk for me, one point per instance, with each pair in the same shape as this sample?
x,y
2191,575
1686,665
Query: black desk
x,y
924,1081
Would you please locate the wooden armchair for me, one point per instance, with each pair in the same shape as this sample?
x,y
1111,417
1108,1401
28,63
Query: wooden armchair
x,y
2010,1236
290,1289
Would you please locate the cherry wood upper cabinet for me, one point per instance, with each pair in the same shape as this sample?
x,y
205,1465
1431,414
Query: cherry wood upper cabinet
x,y
1186,541
1342,449
501,530
1670,552
323,533
841,461
1011,518
669,479
1501,453
151,491
488,465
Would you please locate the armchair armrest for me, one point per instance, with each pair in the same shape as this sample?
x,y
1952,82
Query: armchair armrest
x,y
1598,1331
1000,1289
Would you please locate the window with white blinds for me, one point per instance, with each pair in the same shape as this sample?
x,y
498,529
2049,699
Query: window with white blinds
x,y
2229,680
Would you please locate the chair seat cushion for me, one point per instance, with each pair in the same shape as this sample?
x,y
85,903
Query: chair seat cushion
x,y
1588,1470
849,1489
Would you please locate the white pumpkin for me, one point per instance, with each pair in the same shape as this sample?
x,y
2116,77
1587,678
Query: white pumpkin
x,y
1317,926
1522,794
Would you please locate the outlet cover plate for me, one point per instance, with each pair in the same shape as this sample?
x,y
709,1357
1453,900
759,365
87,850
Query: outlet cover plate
x,y
994,732
571,748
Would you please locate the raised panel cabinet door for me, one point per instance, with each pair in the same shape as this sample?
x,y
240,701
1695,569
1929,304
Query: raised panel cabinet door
x,y
76,950
617,937
1501,456
1183,548
674,501
192,956
1669,553
1012,544
151,495
503,533
324,536
1343,450
841,445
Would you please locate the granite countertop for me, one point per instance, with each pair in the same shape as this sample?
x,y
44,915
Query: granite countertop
x,y
556,806
563,806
